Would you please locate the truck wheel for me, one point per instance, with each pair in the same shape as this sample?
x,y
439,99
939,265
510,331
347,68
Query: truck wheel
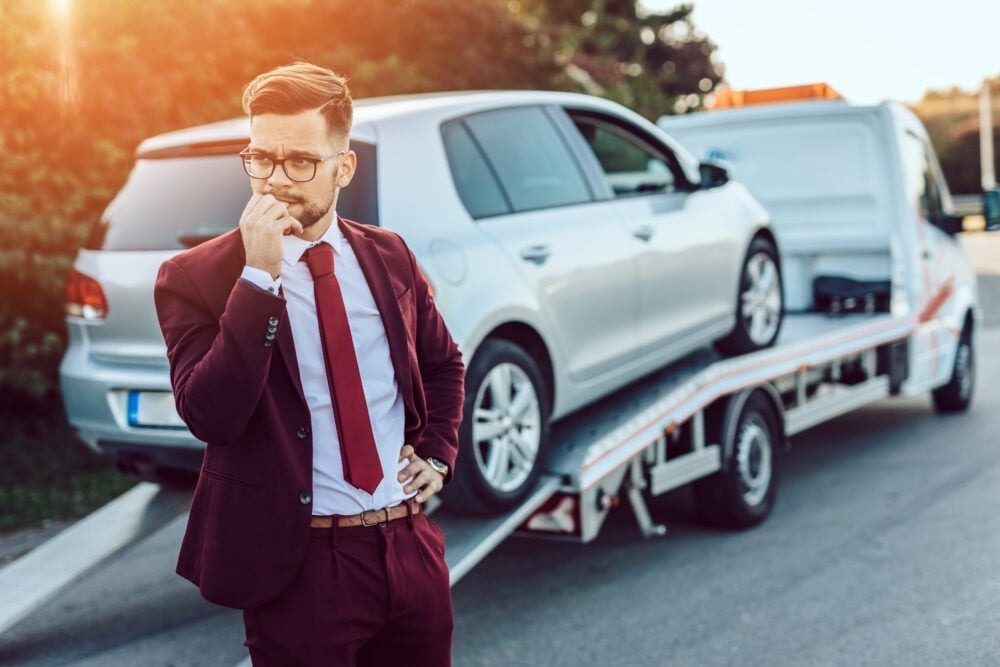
x,y
743,493
759,306
504,431
956,396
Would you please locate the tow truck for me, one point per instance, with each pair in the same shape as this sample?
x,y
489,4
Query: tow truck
x,y
881,302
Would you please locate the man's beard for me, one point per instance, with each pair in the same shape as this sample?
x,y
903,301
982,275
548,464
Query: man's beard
x,y
312,213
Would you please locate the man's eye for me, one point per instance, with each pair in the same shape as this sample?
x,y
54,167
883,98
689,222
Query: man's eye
x,y
300,162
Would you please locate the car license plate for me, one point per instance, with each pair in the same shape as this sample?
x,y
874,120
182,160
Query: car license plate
x,y
153,409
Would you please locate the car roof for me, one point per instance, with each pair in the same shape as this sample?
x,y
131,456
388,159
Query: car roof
x,y
226,134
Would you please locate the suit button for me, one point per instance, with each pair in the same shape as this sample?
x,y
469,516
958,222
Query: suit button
x,y
273,321
302,433
305,498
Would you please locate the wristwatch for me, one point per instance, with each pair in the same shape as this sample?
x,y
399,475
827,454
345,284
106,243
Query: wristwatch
x,y
438,465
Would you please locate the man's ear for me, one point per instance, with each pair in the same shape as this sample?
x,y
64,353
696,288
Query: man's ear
x,y
348,164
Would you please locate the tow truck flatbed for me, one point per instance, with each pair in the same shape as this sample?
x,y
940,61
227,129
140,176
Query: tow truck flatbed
x,y
630,441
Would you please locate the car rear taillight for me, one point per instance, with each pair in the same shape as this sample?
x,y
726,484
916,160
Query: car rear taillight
x,y
85,298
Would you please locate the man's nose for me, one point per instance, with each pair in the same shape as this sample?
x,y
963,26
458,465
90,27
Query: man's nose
x,y
278,177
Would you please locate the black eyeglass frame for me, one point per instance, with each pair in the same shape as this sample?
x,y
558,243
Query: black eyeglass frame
x,y
245,159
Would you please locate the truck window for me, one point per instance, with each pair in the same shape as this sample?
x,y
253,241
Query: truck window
x,y
918,173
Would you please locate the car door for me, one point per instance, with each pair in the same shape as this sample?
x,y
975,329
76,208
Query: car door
x,y
573,252
682,245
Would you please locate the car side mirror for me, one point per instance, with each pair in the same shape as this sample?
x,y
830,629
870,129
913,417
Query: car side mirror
x,y
713,175
991,209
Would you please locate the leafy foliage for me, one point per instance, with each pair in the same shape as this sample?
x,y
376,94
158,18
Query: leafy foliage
x,y
79,94
952,120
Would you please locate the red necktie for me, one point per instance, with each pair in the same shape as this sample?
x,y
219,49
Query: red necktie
x,y
362,467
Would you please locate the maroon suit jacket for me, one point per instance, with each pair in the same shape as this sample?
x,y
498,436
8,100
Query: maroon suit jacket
x,y
241,394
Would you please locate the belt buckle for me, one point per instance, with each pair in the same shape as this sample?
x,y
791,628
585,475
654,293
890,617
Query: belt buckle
x,y
380,524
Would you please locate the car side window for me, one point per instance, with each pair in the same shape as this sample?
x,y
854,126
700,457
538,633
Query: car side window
x,y
532,163
477,187
631,166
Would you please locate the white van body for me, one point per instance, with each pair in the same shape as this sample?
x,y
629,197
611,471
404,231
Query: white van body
x,y
853,191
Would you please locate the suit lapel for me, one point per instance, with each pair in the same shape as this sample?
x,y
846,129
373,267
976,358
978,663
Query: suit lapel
x,y
377,276
286,345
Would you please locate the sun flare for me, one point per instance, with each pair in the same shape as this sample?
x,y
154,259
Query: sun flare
x,y
60,8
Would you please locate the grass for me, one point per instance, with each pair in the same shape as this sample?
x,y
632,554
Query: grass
x,y
45,471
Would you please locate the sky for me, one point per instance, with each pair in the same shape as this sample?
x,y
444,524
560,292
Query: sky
x,y
868,50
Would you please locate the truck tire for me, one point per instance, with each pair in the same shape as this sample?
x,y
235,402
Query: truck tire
x,y
759,302
742,494
504,432
956,396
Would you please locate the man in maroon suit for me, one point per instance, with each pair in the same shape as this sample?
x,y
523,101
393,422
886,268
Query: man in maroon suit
x,y
306,351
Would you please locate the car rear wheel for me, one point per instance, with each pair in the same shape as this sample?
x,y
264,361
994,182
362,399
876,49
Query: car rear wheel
x,y
504,431
759,308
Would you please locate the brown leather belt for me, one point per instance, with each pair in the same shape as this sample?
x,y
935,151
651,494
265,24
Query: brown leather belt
x,y
370,518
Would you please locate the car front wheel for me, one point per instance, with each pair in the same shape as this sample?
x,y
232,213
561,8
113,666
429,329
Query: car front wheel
x,y
504,431
759,306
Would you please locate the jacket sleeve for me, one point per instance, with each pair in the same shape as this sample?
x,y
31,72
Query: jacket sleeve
x,y
218,365
442,374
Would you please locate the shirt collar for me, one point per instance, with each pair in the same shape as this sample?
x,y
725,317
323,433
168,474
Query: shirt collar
x,y
295,247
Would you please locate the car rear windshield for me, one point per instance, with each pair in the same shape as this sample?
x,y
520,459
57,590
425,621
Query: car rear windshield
x,y
178,202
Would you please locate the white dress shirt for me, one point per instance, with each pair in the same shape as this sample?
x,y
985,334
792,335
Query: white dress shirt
x,y
332,494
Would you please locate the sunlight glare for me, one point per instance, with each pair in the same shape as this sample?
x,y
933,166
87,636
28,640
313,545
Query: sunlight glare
x,y
60,8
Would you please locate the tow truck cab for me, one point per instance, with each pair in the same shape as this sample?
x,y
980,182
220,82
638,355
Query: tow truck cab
x,y
858,202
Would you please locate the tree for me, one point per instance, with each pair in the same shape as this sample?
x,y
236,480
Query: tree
x,y
80,92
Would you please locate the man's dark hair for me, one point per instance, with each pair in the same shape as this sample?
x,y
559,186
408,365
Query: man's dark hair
x,y
299,87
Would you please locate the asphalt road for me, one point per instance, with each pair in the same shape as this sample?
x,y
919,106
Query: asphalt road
x,y
884,549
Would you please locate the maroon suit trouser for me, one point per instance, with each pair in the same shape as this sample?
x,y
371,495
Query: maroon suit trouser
x,y
365,596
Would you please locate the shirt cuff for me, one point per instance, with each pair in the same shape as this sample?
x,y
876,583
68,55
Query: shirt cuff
x,y
261,279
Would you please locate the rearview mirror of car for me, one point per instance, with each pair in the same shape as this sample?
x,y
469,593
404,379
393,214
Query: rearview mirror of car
x,y
713,175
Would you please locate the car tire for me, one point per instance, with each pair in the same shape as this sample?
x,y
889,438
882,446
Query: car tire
x,y
742,494
504,433
956,396
759,302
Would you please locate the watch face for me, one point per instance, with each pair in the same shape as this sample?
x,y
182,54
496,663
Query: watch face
x,y
440,466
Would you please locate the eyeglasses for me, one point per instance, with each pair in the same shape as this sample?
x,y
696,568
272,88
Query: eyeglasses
x,y
297,168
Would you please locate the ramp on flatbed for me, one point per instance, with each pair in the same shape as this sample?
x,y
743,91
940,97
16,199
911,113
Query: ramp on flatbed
x,y
470,539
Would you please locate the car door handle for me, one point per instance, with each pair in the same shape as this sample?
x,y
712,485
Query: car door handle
x,y
536,253
643,233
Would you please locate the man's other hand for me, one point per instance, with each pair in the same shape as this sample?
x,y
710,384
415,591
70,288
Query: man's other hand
x,y
419,475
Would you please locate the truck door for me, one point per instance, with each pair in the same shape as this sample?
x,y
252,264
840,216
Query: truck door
x,y
939,263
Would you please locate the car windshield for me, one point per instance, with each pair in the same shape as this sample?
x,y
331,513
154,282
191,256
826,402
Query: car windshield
x,y
175,203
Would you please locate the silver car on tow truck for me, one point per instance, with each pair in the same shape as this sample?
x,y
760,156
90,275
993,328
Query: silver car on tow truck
x,y
573,247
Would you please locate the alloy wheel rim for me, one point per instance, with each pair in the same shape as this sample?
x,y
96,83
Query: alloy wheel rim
x,y
753,461
964,369
760,303
506,427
